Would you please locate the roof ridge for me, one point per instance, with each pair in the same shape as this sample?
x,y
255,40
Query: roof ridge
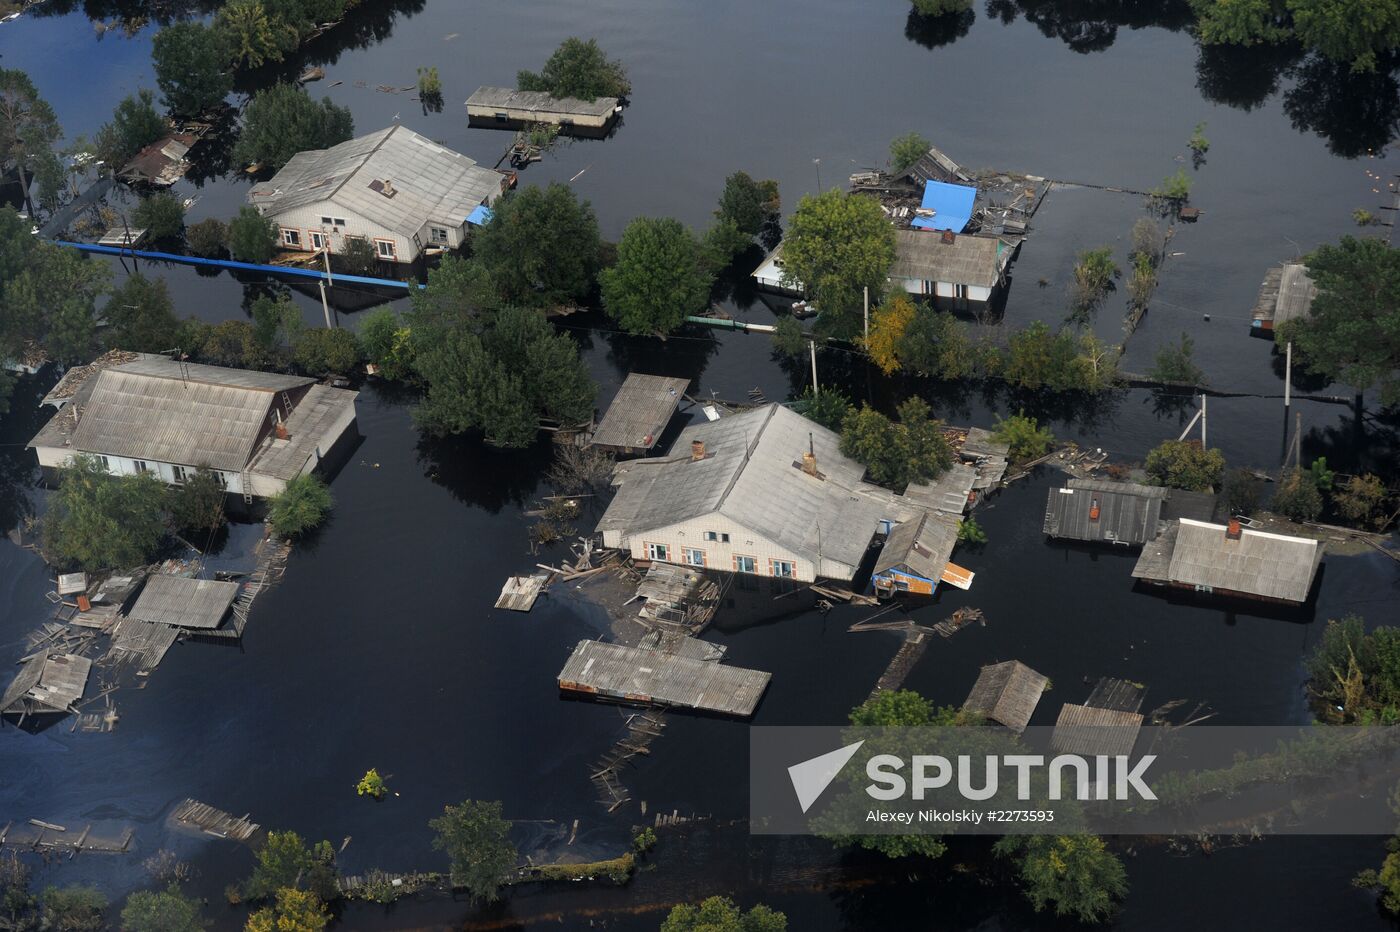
x,y
368,155
748,454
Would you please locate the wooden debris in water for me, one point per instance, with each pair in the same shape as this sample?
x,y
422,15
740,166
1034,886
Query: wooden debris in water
x,y
202,817
915,643
520,592
961,618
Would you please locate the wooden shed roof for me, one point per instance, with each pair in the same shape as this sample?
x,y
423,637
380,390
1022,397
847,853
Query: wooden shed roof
x,y
637,675
640,411
184,602
1083,729
47,683
1007,693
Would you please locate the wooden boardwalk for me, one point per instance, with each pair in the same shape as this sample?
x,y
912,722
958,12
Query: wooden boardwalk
x,y
631,674
38,835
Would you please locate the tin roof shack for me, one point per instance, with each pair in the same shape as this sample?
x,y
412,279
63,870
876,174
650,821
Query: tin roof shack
x,y
915,555
46,684
651,677
401,191
164,161
639,413
1105,511
1286,294
184,602
1231,560
1006,693
765,491
258,430
1107,723
980,448
957,270
508,108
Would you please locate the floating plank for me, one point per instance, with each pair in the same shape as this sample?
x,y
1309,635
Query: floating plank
x,y
632,674
520,592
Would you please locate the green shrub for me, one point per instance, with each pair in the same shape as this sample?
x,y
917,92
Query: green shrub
x,y
1027,439
208,237
251,236
300,507
162,215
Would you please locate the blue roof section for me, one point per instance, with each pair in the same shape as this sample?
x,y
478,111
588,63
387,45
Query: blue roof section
x,y
480,215
951,205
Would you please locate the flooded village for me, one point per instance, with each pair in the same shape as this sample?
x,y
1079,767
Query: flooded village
x,y
453,441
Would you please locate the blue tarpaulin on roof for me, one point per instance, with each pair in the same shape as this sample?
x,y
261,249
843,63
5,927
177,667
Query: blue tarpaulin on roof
x,y
480,215
951,205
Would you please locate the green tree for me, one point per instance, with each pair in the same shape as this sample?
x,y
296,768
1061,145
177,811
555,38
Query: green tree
x,y
1198,143
789,338
1038,358
277,327
191,63
829,408
322,351
1240,491
1354,31
970,532
1174,364
936,344
208,237
1026,438
51,301
16,900
251,236
252,37
387,343
359,257
1076,875
837,245
293,911
1239,22
750,205
166,910
135,124
140,316
99,521
659,278
888,325
197,504
1352,334
578,69
72,909
1185,464
941,8
300,507
477,841
907,149
1175,187
720,244
28,127
372,784
162,215
286,862
1363,500
719,914
1297,496
282,120
541,246
1094,272
896,453
429,84
894,708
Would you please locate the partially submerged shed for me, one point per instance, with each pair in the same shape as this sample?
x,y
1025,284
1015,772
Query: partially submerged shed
x,y
1231,560
1104,511
184,602
955,269
1007,693
1089,731
632,674
915,554
508,108
639,413
1286,294
46,684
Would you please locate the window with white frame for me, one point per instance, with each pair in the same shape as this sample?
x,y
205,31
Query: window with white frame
x,y
179,473
692,556
783,568
657,552
743,564
291,237
141,466
438,234
385,248
318,240
340,221
327,222
106,464
711,535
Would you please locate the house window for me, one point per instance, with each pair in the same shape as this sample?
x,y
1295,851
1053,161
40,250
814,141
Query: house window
x,y
782,568
960,291
106,464
221,478
141,466
327,222
692,557
291,237
711,535
656,552
340,221
179,473
1205,589
501,117
318,240
724,538
437,234
744,564
385,248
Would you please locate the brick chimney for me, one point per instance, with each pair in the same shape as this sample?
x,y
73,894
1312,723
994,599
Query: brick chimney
x,y
1094,510
1232,530
697,450
280,431
809,463
949,237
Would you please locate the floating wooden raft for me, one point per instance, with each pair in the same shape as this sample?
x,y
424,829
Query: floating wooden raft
x,y
632,674
205,818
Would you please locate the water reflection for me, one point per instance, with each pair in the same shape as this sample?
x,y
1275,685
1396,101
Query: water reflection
x,y
132,14
477,474
934,31
1356,113
1242,77
1092,25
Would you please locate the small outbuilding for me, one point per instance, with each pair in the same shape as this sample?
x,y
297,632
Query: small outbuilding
x,y
1231,560
956,270
1006,693
915,554
1104,511
508,108
46,684
652,677
1286,294
639,413
184,602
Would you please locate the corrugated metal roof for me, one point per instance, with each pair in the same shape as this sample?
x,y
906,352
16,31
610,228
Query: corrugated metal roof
x,y
967,260
922,545
1259,563
1007,693
948,493
632,673
752,475
53,682
1088,731
1295,294
428,181
1102,510
640,411
508,98
951,204
160,367
184,602
308,429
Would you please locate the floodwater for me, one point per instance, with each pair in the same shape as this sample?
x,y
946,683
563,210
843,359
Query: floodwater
x,y
381,648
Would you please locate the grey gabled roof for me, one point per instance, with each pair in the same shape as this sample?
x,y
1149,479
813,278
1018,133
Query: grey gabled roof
x,y
1295,294
149,410
184,602
508,98
967,260
429,181
640,411
308,429
922,545
1128,513
752,475
1259,563
1007,693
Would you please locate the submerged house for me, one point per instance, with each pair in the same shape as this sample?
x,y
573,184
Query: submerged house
x,y
154,415
1105,511
639,413
398,190
1286,294
1006,693
46,684
508,108
914,558
957,270
1231,560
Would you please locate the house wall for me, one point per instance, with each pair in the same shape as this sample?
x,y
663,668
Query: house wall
x,y
908,582
719,555
945,292
486,115
53,458
307,219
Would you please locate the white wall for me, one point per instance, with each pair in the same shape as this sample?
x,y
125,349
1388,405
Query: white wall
x,y
719,555
57,457
307,219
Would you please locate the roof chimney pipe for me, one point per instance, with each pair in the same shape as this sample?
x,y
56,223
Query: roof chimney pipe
x,y
697,450
1233,530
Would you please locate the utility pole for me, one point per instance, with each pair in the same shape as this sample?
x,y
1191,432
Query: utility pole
x,y
1288,378
818,163
1204,446
867,314
325,305
811,345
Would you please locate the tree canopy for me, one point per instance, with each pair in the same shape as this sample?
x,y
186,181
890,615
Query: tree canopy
x,y
300,507
837,245
1352,334
1076,875
477,841
907,149
99,521
251,236
292,911
750,205
162,215
1354,32
719,914
283,120
896,453
141,316
191,64
540,246
28,126
286,862
135,124
1185,464
579,69
659,278
166,910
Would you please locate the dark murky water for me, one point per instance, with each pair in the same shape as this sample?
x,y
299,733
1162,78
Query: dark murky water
x,y
381,648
